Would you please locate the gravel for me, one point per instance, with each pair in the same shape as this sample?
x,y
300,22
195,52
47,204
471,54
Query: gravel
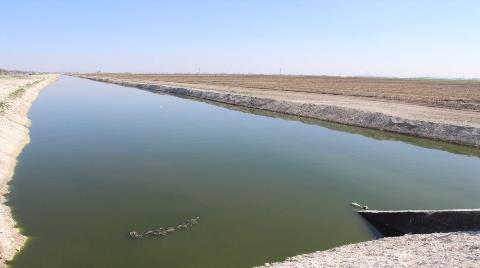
x,y
459,249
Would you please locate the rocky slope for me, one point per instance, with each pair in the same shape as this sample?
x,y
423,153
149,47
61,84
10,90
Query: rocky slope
x,y
461,249
16,97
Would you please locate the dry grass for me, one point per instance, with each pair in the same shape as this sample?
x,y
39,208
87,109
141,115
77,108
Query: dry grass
x,y
453,94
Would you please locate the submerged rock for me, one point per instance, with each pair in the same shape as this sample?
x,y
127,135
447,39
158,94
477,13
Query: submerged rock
x,y
164,231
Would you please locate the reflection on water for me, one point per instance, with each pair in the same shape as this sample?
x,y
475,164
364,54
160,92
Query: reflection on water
x,y
371,133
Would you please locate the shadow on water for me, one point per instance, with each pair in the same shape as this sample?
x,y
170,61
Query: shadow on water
x,y
366,132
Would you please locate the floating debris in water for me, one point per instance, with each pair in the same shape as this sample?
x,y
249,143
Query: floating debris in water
x,y
164,231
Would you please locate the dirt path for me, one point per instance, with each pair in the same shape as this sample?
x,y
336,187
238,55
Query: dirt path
x,y
441,93
17,94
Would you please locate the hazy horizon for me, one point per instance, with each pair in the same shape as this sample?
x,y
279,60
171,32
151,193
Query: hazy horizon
x,y
435,39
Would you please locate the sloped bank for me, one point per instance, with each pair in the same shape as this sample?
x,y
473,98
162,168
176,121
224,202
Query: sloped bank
x,y
459,134
18,94
460,249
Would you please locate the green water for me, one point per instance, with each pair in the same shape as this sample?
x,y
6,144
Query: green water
x,y
104,160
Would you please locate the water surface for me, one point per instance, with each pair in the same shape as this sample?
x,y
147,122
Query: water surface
x,y
105,159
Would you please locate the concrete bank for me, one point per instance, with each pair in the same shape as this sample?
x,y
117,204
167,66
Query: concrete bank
x,y
460,249
17,94
463,134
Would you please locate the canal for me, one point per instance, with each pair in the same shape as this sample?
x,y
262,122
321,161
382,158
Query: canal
x,y
106,159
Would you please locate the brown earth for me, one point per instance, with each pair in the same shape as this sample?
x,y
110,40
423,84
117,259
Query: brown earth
x,y
453,94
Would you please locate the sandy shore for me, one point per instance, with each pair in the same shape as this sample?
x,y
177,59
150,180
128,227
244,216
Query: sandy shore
x,y
437,123
17,94
460,249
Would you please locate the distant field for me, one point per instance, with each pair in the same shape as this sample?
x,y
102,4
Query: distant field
x,y
453,94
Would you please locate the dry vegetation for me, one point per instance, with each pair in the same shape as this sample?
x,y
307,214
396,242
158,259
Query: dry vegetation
x,y
453,94
7,96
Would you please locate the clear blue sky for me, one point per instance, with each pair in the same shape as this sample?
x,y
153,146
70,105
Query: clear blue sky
x,y
381,38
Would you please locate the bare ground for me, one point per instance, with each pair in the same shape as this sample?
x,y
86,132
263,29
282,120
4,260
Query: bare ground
x,y
454,94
